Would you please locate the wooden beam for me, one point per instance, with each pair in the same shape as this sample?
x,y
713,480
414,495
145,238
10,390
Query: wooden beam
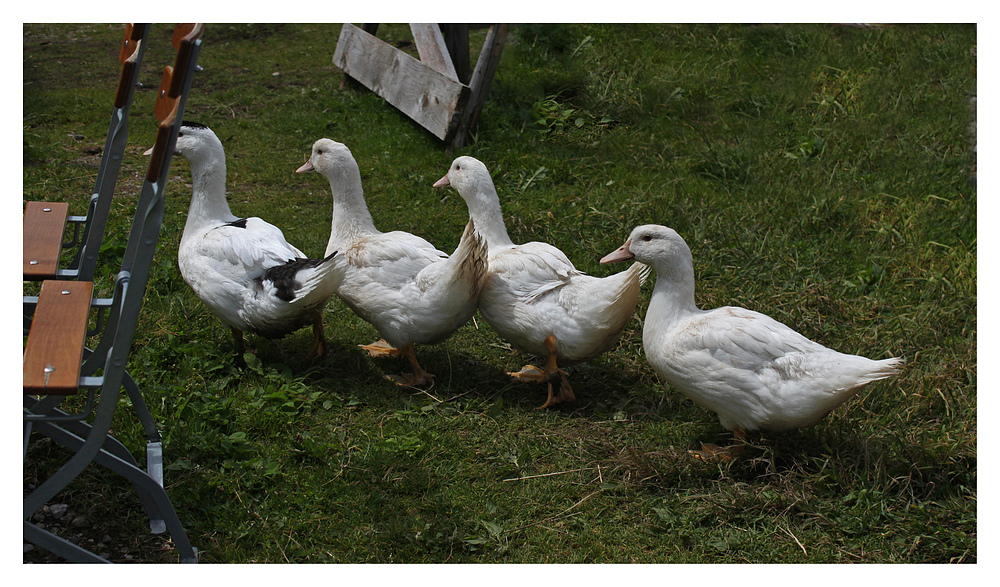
x,y
432,50
456,39
428,97
349,81
479,85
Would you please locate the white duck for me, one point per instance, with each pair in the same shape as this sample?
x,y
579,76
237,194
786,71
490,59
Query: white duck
x,y
243,269
535,298
753,371
409,290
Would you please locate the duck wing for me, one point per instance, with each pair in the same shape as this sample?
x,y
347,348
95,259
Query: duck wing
x,y
616,295
757,372
245,248
392,259
532,270
301,280
737,338
411,291
284,297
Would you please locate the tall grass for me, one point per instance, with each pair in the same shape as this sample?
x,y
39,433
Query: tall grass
x,y
821,175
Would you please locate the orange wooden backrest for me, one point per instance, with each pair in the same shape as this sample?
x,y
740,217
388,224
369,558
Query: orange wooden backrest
x,y
127,55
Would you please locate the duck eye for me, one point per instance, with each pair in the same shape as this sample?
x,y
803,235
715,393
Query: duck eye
x,y
647,238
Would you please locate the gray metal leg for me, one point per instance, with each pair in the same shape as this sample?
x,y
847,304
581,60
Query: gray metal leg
x,y
156,503
72,435
60,546
103,416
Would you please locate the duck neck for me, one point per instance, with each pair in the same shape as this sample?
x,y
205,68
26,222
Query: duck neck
x,y
350,213
208,200
484,208
673,295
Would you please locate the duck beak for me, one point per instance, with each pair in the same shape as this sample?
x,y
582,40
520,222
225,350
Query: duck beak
x,y
442,182
150,152
620,254
308,166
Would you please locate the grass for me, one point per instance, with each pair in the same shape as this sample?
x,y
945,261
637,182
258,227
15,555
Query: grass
x,y
821,175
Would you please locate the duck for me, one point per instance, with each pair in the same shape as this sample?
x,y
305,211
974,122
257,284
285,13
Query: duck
x,y
408,289
754,372
535,298
243,269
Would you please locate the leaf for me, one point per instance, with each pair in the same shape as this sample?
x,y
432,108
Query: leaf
x,y
495,409
252,361
665,515
180,465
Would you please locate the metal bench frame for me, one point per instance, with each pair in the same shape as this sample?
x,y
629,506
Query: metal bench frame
x,y
102,370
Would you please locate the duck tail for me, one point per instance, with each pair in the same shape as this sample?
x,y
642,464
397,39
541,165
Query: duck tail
x,y
632,280
641,271
303,280
624,288
885,368
471,256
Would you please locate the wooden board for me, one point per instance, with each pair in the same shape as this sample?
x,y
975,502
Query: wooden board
x,y
44,224
427,96
486,67
432,50
54,351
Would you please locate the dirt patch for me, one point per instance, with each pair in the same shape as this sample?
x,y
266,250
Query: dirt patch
x,y
98,536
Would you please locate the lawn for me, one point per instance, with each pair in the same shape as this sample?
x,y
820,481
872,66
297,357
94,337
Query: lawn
x,y
824,175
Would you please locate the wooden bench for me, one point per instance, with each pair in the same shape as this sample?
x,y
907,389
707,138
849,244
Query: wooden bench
x,y
54,351
44,224
56,362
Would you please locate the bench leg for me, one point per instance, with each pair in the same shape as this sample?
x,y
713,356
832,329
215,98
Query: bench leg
x,y
154,499
60,546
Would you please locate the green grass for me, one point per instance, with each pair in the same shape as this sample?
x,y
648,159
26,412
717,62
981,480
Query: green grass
x,y
820,174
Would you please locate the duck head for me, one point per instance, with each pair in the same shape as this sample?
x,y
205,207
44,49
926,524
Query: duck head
x,y
466,174
196,143
652,244
329,158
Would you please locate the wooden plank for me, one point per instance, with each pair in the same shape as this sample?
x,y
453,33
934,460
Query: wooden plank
x,y
456,40
425,95
482,76
44,224
54,351
432,50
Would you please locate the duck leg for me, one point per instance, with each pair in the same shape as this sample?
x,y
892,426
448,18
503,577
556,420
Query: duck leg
x,y
381,348
550,375
710,451
238,349
318,348
418,377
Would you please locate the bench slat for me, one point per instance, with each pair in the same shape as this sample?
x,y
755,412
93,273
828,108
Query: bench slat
x,y
54,351
44,224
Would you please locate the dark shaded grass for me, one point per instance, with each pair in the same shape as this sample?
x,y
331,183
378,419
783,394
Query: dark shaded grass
x,y
820,175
